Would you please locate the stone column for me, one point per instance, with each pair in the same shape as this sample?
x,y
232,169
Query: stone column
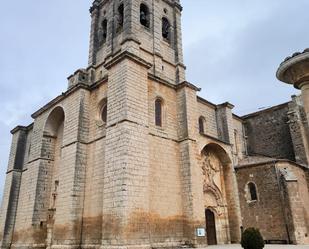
x,y
295,70
304,87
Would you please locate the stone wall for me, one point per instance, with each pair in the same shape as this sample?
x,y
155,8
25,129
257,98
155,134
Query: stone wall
x,y
299,130
87,182
267,212
208,111
269,133
280,211
296,196
239,141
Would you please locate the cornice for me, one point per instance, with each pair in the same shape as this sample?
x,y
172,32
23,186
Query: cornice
x,y
22,128
189,85
127,55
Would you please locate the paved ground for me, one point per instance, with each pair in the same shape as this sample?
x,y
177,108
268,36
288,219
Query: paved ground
x,y
266,247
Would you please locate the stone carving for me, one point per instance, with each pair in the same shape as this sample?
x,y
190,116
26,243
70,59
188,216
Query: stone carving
x,y
212,176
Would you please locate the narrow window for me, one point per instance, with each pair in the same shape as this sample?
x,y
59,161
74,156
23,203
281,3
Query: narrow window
x,y
144,15
29,150
104,31
120,18
201,125
104,113
236,141
166,29
158,112
252,190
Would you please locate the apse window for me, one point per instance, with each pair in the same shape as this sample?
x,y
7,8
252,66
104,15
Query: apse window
x,y
166,29
158,112
252,191
144,15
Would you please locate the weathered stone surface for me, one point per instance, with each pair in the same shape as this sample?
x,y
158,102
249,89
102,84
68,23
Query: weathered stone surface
x,y
80,178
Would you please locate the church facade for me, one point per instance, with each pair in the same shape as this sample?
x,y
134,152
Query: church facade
x,y
131,157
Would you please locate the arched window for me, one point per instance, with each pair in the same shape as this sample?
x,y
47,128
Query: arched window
x,y
236,141
144,15
166,29
104,113
252,191
201,127
120,17
104,31
158,112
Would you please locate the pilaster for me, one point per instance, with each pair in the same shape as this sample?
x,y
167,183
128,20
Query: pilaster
x,y
12,186
298,131
225,122
192,192
126,181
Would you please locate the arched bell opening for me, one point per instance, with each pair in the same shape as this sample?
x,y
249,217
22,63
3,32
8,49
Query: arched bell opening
x,y
220,193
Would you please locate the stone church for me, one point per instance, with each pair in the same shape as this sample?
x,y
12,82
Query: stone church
x,y
131,157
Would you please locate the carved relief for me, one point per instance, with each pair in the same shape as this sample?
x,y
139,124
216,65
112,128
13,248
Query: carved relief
x,y
212,185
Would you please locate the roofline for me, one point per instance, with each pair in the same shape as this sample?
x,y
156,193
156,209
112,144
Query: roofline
x,y
273,160
59,98
22,128
276,107
237,117
200,99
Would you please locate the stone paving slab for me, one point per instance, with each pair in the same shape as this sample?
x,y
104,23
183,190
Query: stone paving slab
x,y
266,247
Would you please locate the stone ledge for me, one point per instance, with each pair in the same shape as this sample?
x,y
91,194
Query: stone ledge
x,y
127,55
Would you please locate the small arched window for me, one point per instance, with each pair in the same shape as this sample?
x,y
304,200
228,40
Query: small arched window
x,y
144,15
104,113
158,112
166,29
252,191
236,141
120,17
104,31
201,127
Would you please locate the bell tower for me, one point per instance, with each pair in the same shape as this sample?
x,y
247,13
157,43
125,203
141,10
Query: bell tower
x,y
148,30
131,42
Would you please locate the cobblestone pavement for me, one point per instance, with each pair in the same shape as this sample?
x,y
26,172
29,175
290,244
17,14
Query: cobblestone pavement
x,y
266,247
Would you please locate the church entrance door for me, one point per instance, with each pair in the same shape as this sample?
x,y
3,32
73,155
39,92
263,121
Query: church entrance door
x,y
210,227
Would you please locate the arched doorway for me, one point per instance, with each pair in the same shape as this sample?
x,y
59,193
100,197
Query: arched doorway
x,y
220,193
211,227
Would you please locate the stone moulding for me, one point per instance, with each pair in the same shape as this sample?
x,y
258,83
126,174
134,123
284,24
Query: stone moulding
x,y
293,63
127,55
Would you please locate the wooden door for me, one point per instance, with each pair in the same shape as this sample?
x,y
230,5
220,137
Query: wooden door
x,y
210,227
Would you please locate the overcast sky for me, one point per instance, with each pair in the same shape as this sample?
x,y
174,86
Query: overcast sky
x,y
232,50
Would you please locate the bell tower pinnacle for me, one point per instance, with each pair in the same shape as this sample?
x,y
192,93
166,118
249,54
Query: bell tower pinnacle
x,y
148,30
